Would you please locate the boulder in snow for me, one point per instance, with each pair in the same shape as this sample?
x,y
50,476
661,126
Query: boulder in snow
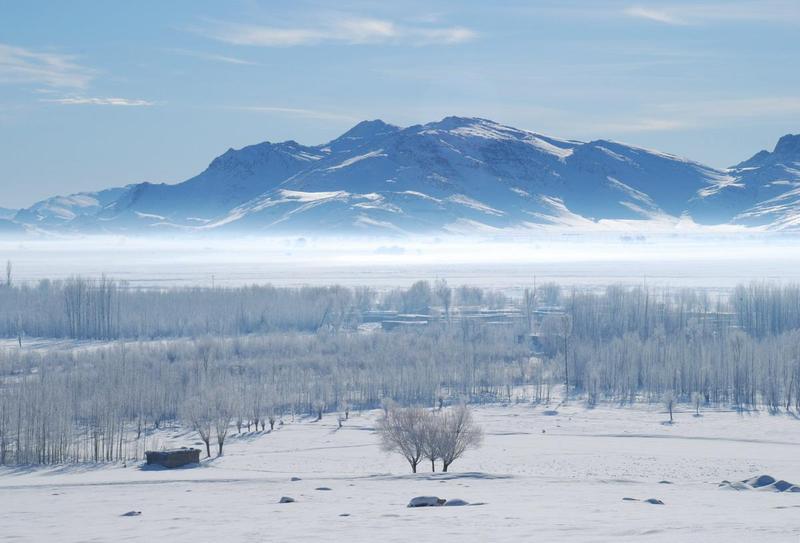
x,y
759,481
426,501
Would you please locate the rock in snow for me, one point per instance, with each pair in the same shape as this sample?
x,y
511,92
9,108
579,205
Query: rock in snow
x,y
761,482
286,499
426,501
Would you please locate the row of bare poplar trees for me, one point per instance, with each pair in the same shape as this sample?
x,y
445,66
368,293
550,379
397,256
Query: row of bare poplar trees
x,y
106,401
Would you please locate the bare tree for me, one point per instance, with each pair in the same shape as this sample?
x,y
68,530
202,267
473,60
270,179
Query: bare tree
x,y
403,431
445,296
200,415
566,331
223,414
432,429
319,408
697,400
529,305
458,433
669,403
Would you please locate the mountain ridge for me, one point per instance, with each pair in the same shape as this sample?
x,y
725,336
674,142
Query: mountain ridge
x,y
458,174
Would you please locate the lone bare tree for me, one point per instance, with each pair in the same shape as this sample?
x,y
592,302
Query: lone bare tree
x,y
669,403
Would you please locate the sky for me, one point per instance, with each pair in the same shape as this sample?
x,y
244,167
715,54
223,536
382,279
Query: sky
x,y
95,94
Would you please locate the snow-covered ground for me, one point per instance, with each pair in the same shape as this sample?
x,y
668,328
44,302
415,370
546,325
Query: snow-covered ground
x,y
593,262
540,476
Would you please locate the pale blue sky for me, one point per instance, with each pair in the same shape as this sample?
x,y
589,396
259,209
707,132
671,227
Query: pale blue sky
x,y
99,94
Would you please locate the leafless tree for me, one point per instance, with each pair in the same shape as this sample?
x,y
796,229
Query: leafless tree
x,y
403,431
528,306
697,400
200,415
222,416
432,439
457,433
669,402
445,296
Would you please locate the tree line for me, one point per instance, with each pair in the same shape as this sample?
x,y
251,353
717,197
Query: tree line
x,y
105,401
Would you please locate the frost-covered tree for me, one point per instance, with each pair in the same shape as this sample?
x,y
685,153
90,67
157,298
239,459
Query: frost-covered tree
x,y
697,400
200,414
444,295
403,431
457,432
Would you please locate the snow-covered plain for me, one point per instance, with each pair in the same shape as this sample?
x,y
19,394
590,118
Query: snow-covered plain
x,y
508,264
540,476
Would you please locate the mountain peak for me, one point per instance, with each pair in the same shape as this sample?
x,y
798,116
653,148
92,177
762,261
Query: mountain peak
x,y
369,129
788,145
453,121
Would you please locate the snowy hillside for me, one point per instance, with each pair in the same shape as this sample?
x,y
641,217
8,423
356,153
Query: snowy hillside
x,y
455,175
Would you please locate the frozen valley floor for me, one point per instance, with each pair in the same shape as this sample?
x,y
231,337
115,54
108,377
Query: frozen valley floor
x,y
566,483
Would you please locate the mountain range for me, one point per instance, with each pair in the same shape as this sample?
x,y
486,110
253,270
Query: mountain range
x,y
457,175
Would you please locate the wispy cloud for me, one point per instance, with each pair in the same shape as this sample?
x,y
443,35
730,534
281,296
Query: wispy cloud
x,y
19,65
214,57
349,30
698,114
645,125
692,13
735,108
657,15
83,101
297,112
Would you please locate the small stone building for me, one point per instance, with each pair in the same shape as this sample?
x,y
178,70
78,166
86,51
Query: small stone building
x,y
174,458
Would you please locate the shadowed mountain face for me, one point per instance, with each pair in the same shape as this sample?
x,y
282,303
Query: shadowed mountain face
x,y
455,175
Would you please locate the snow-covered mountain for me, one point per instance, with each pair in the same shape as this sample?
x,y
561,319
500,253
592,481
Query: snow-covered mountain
x,y
765,189
454,175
